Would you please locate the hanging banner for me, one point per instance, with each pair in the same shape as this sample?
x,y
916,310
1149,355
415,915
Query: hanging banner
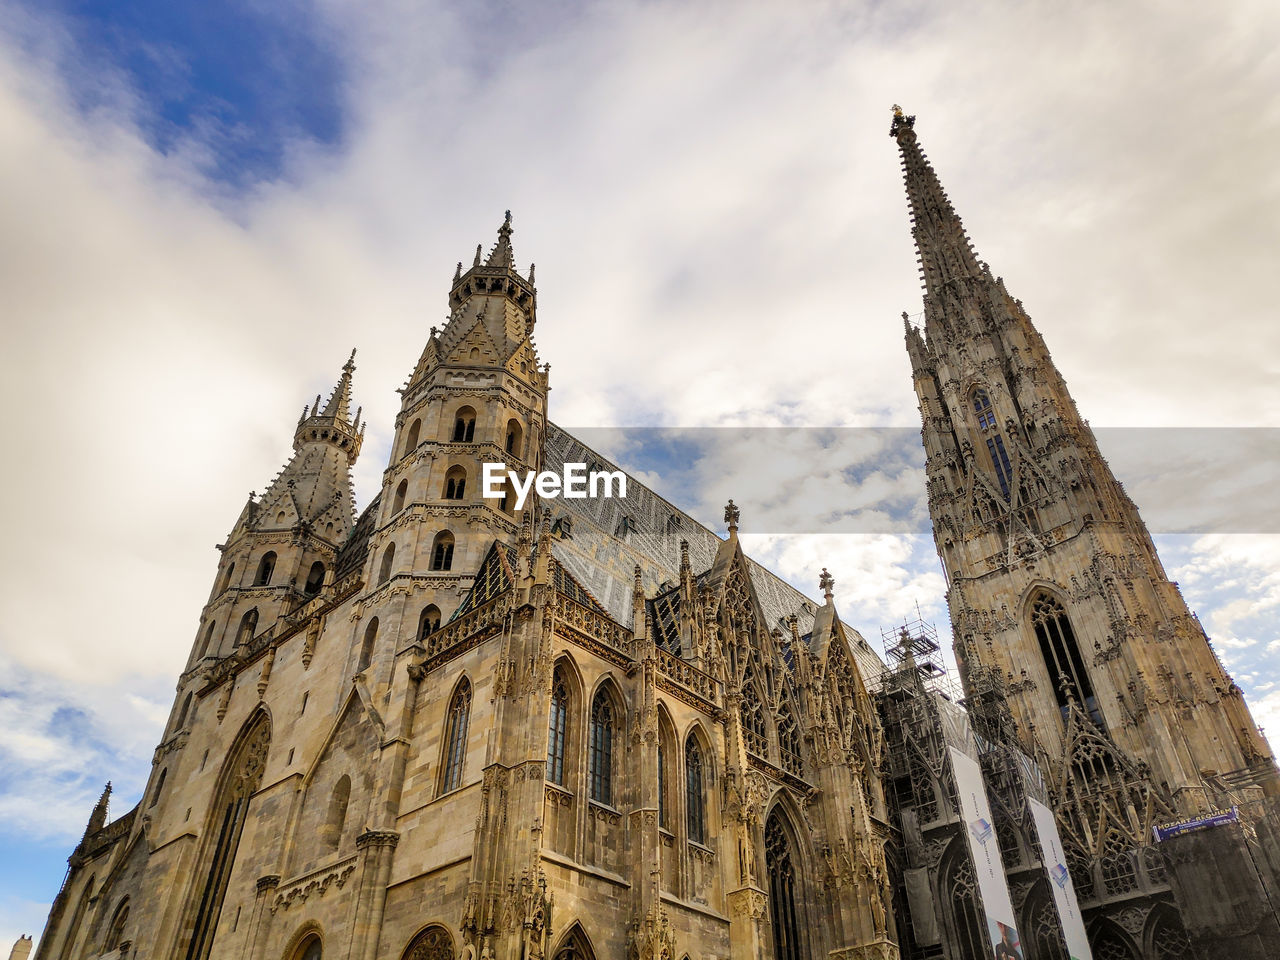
x,y
985,850
1064,894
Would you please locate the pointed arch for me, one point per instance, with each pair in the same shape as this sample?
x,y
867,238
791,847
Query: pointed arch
x,y
668,763
696,787
411,440
1109,942
366,647
786,879
958,891
228,578
315,579
457,720
515,438
455,483
307,943
239,780
1166,937
248,627
989,430
574,945
336,816
428,621
433,942
755,730
115,933
1041,923
208,639
566,693
464,425
1060,651
77,918
155,796
266,569
606,721
388,560
397,501
442,551
183,714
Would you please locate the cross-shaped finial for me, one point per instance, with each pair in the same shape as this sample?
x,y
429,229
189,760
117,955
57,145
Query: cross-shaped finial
x,y
731,515
825,583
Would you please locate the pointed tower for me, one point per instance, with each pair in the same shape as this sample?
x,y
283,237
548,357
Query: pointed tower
x,y
475,396
280,552
1054,580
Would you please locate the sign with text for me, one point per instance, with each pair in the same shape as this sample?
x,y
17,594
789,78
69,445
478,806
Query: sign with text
x,y
1064,894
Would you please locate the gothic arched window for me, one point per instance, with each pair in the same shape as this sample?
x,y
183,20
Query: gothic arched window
x,y
366,647
986,418
428,621
1169,940
464,425
455,749
1044,928
226,581
397,502
754,730
1109,943
266,567
960,891
315,579
1062,658
600,760
442,551
783,880
115,936
411,441
336,816
182,714
575,947
388,558
238,782
695,791
558,729
789,740
248,627
433,943
155,797
309,949
514,434
455,483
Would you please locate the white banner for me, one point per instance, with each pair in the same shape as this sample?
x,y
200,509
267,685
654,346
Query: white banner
x,y
1064,894
985,849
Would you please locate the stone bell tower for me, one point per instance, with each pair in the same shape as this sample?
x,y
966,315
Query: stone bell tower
x,y
1054,582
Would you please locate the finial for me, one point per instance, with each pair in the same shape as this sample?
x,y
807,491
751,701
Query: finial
x,y
825,583
457,274
532,268
478,248
507,220
684,555
897,110
350,366
315,407
731,515
900,121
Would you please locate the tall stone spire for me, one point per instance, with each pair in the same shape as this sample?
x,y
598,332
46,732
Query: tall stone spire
x,y
945,252
1052,575
334,424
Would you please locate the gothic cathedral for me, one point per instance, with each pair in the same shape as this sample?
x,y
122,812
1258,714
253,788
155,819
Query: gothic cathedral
x,y
457,726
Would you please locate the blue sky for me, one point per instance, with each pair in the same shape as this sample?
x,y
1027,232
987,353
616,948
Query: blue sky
x,y
206,205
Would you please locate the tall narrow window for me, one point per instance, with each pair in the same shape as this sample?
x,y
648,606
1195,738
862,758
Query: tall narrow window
x,y
115,936
336,816
1067,672
959,892
558,729
182,714
464,425
455,484
428,621
155,797
600,761
266,567
366,648
789,740
986,417
397,502
695,795
754,731
237,784
514,434
662,786
456,737
230,577
248,627
388,558
782,890
315,579
442,551
411,441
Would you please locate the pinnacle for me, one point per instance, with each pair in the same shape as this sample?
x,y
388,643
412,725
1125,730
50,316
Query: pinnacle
x,y
339,403
502,254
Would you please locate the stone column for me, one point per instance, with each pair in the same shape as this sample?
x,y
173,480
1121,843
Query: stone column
x,y
375,849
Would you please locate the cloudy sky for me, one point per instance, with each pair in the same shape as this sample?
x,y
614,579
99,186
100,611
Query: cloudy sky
x,y
204,207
